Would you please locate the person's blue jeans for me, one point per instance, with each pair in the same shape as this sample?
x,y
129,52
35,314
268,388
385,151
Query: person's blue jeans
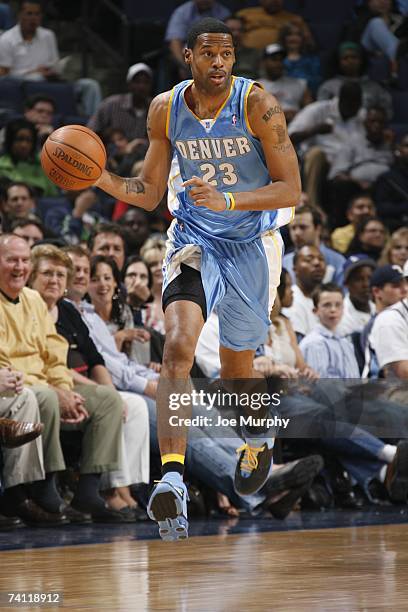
x,y
357,450
90,96
378,37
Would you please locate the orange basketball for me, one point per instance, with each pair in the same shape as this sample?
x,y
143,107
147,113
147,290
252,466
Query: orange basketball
x,y
73,157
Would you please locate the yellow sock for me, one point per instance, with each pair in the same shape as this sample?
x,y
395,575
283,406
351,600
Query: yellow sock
x,y
173,457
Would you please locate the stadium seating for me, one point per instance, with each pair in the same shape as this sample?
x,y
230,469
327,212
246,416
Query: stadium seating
x,y
400,103
62,93
11,94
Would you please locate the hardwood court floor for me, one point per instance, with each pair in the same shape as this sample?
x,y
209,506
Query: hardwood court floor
x,y
348,570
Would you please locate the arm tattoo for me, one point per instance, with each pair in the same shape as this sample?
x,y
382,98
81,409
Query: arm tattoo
x,y
273,110
280,132
282,148
134,185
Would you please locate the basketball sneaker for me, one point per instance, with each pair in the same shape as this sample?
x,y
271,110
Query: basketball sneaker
x,y
168,507
253,467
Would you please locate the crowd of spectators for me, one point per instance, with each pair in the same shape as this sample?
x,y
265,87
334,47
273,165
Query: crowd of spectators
x,y
81,322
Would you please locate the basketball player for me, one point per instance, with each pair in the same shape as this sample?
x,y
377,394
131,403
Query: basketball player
x,y
240,181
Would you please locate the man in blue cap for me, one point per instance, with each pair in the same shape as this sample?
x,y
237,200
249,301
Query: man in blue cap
x,y
358,307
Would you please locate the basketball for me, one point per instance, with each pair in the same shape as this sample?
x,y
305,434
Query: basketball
x,y
73,157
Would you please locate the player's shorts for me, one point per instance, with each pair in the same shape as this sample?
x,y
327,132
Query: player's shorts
x,y
240,279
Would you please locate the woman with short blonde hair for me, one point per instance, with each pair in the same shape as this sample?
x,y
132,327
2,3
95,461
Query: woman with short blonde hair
x,y
395,251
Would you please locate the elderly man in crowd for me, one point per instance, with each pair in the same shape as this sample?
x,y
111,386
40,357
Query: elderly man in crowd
x,y
29,343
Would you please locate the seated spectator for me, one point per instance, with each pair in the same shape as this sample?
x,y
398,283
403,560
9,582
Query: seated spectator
x,y
395,251
127,112
138,282
389,340
369,239
41,61
323,348
153,252
292,94
247,59
123,154
31,344
322,129
20,161
109,239
299,62
391,189
88,368
309,267
379,29
135,223
359,163
358,307
74,216
306,229
30,229
40,110
180,22
19,203
388,286
282,345
263,23
351,66
109,304
361,205
127,375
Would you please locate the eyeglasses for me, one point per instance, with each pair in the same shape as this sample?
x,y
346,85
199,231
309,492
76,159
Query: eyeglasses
x,y
134,275
49,274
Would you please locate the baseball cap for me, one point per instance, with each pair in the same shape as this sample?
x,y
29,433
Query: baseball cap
x,y
274,49
136,68
386,274
357,261
348,45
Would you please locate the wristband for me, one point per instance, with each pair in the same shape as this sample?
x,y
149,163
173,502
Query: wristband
x,y
232,201
227,200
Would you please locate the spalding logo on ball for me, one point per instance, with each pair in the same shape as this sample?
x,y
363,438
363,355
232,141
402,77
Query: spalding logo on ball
x,y
73,157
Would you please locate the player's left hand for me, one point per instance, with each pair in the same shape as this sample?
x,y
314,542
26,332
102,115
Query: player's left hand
x,y
204,194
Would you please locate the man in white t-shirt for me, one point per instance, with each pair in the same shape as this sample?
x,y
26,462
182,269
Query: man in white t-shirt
x,y
389,339
309,266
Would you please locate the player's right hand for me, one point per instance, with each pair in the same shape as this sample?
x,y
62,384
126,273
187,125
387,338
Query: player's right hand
x,y
204,194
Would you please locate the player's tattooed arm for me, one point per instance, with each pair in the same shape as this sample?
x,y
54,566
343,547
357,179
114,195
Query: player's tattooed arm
x,y
267,123
272,110
270,117
147,189
134,185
